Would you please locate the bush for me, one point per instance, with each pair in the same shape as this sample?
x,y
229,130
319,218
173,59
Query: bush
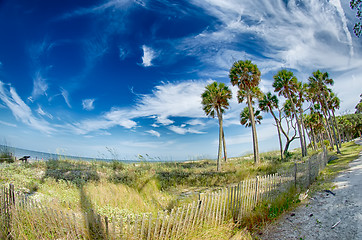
x,y
6,155
117,165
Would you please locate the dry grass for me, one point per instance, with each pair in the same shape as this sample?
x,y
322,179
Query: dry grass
x,y
116,190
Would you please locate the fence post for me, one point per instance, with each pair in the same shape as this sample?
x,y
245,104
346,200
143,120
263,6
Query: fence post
x,y
256,190
106,225
12,194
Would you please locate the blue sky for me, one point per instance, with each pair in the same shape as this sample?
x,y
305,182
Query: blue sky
x,y
81,77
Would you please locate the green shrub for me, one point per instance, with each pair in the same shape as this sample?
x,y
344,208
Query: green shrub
x,y
117,165
6,155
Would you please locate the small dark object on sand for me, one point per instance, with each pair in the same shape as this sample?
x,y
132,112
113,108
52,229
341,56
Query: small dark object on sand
x,y
24,159
329,191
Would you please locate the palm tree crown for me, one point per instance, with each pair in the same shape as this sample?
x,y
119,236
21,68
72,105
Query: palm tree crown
x,y
285,83
215,98
245,117
245,75
268,102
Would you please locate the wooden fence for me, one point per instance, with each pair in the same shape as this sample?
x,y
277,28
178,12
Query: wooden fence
x,y
212,209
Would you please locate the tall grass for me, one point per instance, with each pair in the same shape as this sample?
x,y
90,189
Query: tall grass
x,y
116,190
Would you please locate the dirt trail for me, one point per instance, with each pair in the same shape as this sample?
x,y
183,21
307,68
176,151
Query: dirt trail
x,y
326,216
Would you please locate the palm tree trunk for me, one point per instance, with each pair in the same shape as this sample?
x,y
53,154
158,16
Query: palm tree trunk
x,y
338,132
279,136
309,137
218,168
329,131
255,137
313,139
334,131
286,146
224,144
321,140
303,131
299,127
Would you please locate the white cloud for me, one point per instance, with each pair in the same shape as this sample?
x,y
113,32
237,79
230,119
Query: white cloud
x,y
120,117
40,86
7,124
21,111
301,35
65,95
148,55
88,104
164,120
95,48
181,99
182,130
122,53
99,9
194,122
167,100
41,112
154,133
178,130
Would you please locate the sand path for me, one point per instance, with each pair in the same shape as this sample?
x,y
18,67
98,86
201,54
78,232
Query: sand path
x,y
326,216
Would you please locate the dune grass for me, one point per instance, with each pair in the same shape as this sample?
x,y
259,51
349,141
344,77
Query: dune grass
x,y
115,189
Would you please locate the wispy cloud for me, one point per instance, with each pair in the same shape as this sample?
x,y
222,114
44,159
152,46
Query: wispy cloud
x,y
121,118
182,130
40,86
88,104
7,124
167,100
194,122
164,120
154,133
21,111
101,8
148,55
181,99
95,48
122,53
65,95
298,35
41,112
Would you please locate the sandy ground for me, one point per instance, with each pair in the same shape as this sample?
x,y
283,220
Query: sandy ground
x,y
326,216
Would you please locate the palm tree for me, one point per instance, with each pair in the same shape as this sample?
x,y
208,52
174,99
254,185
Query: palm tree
x,y
318,82
215,100
246,76
286,84
358,107
333,104
267,103
245,117
301,97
